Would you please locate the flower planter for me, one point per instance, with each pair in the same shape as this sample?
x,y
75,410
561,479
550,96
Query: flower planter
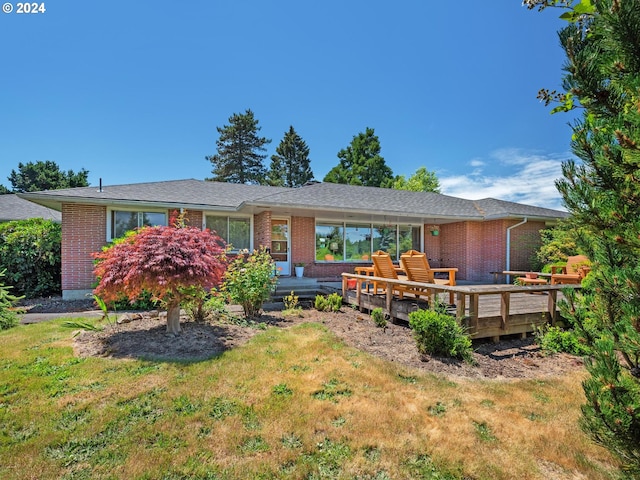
x,y
299,272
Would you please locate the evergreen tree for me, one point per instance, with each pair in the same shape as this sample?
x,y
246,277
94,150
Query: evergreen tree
x,y
290,167
4,190
38,176
421,181
361,163
602,192
239,159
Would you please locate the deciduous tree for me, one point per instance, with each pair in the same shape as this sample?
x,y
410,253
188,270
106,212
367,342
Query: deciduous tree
x,y
34,177
421,181
168,262
602,192
239,158
361,163
290,167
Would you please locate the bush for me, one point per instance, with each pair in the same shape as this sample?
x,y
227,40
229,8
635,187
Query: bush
x,y
330,303
378,318
30,254
249,281
439,334
553,339
8,316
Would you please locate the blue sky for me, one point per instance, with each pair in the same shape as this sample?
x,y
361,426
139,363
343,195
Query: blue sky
x,y
134,91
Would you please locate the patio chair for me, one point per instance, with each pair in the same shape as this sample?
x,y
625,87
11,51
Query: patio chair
x,y
417,268
383,267
573,272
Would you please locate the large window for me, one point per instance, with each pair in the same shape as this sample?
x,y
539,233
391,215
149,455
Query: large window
x,y
233,230
354,242
122,221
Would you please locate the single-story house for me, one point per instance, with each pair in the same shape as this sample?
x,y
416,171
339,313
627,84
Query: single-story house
x,y
13,207
331,228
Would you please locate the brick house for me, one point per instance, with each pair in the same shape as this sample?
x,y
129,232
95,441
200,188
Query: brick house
x,y
331,228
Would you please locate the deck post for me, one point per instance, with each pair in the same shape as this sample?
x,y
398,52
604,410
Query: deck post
x,y
359,294
460,306
473,311
505,299
389,299
553,301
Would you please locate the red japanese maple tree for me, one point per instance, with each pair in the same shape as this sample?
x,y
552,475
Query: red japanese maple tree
x,y
167,262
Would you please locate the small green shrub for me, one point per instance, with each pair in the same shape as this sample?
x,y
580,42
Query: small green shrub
x,y
203,305
249,281
440,334
8,316
378,318
553,339
291,306
330,303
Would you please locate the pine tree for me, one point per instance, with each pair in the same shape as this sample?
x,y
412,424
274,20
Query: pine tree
x,y
290,167
361,163
602,192
239,159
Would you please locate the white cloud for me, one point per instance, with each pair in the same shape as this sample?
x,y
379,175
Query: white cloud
x,y
531,180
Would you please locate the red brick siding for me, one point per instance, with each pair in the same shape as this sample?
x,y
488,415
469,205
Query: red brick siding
x,y
262,230
84,231
432,247
194,218
525,240
303,241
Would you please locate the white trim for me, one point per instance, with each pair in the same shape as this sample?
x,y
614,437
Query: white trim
x,y
110,211
215,213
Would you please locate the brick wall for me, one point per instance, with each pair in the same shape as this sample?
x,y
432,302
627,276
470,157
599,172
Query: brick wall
x,y
84,231
262,230
194,218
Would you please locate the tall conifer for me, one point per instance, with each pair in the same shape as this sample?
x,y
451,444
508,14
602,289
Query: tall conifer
x,y
239,158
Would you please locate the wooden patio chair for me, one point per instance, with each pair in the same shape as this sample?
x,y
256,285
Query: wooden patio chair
x,y
383,267
417,268
573,272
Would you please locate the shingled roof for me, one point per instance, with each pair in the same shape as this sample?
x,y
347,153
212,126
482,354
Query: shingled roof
x,y
13,207
318,197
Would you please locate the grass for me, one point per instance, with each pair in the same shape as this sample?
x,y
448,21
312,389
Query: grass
x,y
293,403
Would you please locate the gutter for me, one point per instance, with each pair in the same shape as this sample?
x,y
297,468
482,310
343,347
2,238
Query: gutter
x,y
525,220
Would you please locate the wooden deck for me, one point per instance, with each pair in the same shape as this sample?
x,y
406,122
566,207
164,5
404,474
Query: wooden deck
x,y
485,310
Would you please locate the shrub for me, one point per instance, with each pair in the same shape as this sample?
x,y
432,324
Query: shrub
x,y
553,339
439,334
378,318
30,254
249,281
8,316
330,303
291,306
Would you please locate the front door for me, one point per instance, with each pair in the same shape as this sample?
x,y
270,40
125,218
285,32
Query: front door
x,y
280,245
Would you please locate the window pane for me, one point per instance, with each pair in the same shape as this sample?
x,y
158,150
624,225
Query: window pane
x,y
239,236
384,238
153,219
122,222
409,238
218,225
329,242
357,242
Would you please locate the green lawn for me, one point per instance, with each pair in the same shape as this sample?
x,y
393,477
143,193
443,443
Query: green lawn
x,y
292,403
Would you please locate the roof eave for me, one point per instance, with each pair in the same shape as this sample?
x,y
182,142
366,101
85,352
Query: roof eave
x,y
55,203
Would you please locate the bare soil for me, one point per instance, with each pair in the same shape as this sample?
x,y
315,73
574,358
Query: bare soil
x,y
143,335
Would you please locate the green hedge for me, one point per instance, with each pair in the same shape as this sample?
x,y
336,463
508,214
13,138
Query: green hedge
x,y
30,254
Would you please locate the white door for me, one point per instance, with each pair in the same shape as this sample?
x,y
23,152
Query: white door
x,y
280,245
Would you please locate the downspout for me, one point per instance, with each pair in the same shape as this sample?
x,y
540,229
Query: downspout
x,y
509,245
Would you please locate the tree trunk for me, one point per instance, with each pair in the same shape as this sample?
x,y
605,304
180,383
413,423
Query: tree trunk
x,y
173,319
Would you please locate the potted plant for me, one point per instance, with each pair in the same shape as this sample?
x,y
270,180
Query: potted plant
x,y
299,267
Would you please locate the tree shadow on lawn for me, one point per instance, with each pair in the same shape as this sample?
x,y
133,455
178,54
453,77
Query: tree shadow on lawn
x,y
147,339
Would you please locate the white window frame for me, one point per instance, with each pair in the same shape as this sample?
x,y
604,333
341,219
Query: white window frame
x,y
229,215
110,211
